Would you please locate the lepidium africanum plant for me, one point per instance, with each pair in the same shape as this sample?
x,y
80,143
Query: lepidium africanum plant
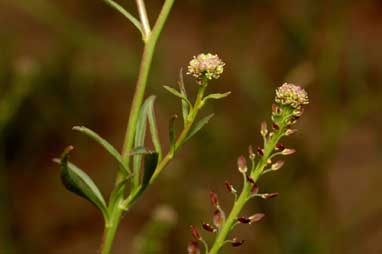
x,y
139,166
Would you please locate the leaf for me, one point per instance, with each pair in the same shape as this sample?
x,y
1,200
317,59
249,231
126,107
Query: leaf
x,y
150,164
178,94
106,145
153,127
217,96
172,135
117,192
77,181
185,105
198,126
139,150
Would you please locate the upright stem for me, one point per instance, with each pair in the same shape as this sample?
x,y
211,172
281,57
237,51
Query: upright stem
x,y
144,19
148,53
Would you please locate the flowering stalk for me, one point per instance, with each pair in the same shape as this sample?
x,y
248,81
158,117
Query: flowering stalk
x,y
290,100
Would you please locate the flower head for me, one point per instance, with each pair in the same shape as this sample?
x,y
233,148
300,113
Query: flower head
x,y
207,66
291,95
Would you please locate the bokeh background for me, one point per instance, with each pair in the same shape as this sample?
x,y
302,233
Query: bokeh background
x,y
70,62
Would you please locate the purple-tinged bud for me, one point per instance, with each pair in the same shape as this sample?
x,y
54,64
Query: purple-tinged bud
x,y
236,243
277,165
214,199
255,189
218,219
276,110
280,147
244,220
195,233
252,155
250,180
193,248
291,95
260,151
207,66
209,228
256,217
275,126
269,195
242,164
264,129
288,151
229,187
293,120
290,132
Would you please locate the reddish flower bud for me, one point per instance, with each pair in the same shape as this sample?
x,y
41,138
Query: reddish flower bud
x,y
218,219
256,217
242,164
269,195
260,151
288,151
290,132
252,155
250,180
244,220
280,147
195,233
263,129
214,199
276,110
193,248
236,243
275,126
277,165
208,227
229,187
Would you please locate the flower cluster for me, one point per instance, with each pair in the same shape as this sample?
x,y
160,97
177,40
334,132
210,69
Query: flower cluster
x,y
206,66
291,95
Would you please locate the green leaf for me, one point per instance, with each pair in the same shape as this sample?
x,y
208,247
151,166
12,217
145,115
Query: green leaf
x,y
216,96
106,145
178,94
198,126
77,181
153,127
150,164
139,150
185,105
172,135
118,191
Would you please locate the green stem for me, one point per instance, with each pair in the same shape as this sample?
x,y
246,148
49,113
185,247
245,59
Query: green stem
x,y
245,194
148,53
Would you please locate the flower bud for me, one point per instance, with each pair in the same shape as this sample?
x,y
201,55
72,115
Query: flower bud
x,y
264,129
193,248
269,195
208,227
275,126
236,243
250,180
276,110
252,155
280,147
260,151
288,151
244,220
218,219
256,217
229,187
214,199
291,95
290,132
277,165
195,233
242,164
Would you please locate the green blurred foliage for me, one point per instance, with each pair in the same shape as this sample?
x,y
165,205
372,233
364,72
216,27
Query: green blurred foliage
x,y
64,63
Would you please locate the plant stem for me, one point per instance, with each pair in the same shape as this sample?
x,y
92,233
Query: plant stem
x,y
148,53
144,19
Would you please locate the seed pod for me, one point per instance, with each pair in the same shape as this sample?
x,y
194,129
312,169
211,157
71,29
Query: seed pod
x,y
277,165
218,219
256,217
195,233
208,227
263,129
193,248
242,164
214,199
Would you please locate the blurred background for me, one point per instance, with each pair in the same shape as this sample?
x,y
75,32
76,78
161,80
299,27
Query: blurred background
x,y
70,62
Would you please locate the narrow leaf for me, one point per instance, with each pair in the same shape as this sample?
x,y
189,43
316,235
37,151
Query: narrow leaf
x,y
150,164
198,126
106,145
77,181
139,150
172,135
117,192
154,128
185,106
217,96
178,94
